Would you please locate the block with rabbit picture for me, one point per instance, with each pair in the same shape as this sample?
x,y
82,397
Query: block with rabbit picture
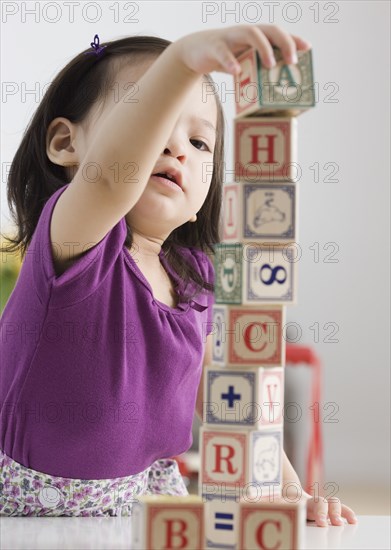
x,y
260,213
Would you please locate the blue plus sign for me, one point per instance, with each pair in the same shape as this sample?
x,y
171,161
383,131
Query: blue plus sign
x,y
231,396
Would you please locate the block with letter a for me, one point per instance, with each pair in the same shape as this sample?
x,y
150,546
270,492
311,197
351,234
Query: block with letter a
x,y
260,213
168,522
251,273
282,89
266,149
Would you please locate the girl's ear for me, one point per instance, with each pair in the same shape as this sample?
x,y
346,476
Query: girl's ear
x,y
60,140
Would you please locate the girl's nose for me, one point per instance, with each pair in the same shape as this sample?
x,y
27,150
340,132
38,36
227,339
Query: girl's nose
x,y
176,150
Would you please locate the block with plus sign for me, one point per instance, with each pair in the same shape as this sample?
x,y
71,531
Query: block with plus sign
x,y
250,273
248,335
282,89
260,213
240,459
168,521
247,397
272,523
265,150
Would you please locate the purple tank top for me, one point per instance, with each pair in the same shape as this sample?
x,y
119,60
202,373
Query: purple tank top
x,y
98,379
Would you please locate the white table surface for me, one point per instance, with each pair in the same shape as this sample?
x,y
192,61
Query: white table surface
x,y
371,532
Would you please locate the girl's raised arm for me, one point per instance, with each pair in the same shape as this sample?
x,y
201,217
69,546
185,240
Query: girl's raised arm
x,y
134,134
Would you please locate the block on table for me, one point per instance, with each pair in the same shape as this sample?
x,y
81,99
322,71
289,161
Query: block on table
x,y
165,521
272,523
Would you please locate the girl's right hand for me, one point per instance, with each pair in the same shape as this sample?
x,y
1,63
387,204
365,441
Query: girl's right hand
x,y
216,49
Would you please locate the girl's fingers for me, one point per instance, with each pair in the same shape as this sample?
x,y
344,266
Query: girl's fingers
x,y
320,512
258,40
348,514
226,58
335,511
283,40
301,44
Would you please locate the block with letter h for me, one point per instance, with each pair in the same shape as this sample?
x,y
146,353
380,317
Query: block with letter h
x,y
265,149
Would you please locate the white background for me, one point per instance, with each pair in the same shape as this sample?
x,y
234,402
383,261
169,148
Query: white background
x,y
352,53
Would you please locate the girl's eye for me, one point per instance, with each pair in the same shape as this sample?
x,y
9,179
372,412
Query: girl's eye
x,y
202,143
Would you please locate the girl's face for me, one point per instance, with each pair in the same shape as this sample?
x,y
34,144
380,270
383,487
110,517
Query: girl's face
x,y
189,149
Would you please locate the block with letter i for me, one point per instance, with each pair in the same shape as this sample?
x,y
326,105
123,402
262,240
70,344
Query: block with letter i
x,y
282,89
260,213
165,521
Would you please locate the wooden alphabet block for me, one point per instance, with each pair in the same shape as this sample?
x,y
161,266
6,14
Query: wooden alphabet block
x,y
248,397
248,336
250,273
272,523
265,149
163,521
221,521
260,213
240,460
286,89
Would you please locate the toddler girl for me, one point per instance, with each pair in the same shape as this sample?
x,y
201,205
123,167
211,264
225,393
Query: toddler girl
x,y
107,330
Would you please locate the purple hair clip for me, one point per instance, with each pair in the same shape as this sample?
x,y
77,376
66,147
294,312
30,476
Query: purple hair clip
x,y
97,48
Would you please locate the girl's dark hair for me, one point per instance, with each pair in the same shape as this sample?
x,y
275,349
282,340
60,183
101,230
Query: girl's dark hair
x,y
33,178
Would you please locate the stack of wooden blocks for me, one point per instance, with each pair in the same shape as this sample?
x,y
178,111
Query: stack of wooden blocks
x,y
241,502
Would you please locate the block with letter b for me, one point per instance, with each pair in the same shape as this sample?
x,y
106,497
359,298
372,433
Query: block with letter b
x,y
248,335
165,521
249,397
251,273
286,89
266,149
240,460
260,213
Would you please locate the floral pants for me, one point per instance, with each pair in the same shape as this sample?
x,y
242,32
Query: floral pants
x,y
26,492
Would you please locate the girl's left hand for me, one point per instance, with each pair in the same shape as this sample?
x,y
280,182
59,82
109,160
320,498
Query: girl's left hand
x,y
320,509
